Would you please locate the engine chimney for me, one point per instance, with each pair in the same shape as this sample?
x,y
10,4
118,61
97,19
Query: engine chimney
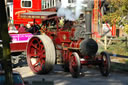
x,y
88,15
88,46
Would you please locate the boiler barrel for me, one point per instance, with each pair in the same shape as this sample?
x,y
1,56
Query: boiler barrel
x,y
88,47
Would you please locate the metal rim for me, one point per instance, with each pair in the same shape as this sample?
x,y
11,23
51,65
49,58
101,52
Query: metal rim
x,y
40,54
105,64
74,65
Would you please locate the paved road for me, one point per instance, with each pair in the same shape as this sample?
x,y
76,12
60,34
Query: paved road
x,y
90,77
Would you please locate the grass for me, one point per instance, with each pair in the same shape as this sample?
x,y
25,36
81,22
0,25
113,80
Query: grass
x,y
117,47
119,67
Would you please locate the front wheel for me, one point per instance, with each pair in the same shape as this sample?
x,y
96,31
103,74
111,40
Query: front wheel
x,y
105,64
74,65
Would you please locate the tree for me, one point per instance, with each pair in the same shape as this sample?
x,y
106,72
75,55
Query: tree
x,y
118,13
4,36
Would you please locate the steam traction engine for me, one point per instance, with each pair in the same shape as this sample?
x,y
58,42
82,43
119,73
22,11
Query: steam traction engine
x,y
73,45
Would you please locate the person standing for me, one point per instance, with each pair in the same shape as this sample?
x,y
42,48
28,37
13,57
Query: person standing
x,y
22,28
12,29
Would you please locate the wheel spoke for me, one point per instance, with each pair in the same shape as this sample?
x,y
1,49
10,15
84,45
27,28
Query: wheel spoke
x,y
40,47
36,64
73,64
41,54
34,45
42,62
37,51
32,55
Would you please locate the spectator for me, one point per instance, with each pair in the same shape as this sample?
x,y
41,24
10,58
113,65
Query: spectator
x,y
28,28
12,29
68,24
10,20
33,29
21,29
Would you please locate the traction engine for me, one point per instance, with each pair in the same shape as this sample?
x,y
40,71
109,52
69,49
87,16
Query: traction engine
x,y
73,46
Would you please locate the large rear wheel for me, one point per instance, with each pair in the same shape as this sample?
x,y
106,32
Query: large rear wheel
x,y
41,54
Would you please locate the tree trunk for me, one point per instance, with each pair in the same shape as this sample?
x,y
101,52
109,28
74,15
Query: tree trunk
x,y
4,36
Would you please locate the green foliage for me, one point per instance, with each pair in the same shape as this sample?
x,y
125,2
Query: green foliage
x,y
127,62
118,10
126,28
118,47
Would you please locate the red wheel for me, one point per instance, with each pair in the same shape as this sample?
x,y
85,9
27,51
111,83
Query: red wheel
x,y
40,54
74,65
105,64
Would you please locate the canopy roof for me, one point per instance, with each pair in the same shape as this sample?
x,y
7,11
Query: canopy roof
x,y
39,15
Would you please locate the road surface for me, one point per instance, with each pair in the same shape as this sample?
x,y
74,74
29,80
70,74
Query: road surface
x,y
88,77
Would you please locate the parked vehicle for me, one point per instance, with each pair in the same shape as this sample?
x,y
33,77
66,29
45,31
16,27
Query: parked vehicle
x,y
18,7
17,79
